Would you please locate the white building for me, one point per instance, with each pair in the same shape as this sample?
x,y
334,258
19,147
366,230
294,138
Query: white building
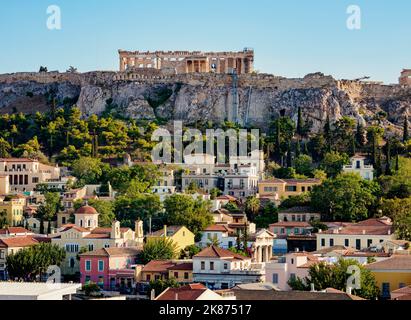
x,y
358,166
361,235
219,268
37,291
218,233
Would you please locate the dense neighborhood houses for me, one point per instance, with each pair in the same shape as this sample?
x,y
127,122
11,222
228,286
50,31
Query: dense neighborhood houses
x,y
231,256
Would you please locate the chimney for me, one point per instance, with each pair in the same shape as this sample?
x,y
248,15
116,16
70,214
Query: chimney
x,y
363,232
115,230
165,231
138,229
349,290
152,294
312,287
176,296
297,249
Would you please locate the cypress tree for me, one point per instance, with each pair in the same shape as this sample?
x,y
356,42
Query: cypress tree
x,y
49,227
352,148
41,226
378,164
388,159
278,140
360,135
405,134
374,150
289,156
245,238
306,148
297,149
300,122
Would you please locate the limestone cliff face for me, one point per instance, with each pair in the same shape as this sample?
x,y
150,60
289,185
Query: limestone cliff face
x,y
209,97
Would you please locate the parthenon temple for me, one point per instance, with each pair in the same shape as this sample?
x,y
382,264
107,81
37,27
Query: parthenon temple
x,y
189,61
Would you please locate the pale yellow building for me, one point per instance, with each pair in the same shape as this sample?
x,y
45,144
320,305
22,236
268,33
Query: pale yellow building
x,y
280,189
85,234
392,274
14,207
180,235
25,174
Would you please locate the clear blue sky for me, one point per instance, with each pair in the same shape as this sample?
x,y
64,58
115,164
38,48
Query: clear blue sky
x,y
290,38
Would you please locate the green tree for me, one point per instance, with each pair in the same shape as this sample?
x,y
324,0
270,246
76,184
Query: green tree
x,y
4,148
252,205
3,219
333,163
214,193
189,252
405,133
300,122
303,165
87,169
400,211
29,263
160,285
158,249
105,209
183,210
346,197
335,276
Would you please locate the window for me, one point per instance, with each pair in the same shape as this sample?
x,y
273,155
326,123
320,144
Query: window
x,y
100,265
347,242
90,247
71,263
292,276
358,244
202,265
322,242
88,265
176,275
331,242
186,276
87,279
156,277
225,266
358,165
1,254
386,290
275,278
296,230
302,189
148,277
35,180
292,261
369,243
291,188
211,265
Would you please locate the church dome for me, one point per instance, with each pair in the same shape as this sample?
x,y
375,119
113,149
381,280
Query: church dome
x,y
86,210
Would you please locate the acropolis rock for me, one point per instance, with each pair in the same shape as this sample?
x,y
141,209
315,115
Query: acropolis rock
x,y
152,93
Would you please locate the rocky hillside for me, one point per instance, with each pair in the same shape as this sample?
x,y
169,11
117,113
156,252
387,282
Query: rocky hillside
x,y
151,95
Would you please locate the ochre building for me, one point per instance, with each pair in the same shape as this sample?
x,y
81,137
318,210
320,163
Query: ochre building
x,y
189,61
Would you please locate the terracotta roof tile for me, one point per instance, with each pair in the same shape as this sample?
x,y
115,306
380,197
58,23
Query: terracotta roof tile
x,y
182,266
158,266
188,292
216,252
396,262
17,242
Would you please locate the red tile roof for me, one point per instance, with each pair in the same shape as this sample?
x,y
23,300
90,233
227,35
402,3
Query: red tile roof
x,y
396,262
189,292
18,242
374,226
113,251
216,252
218,228
158,266
75,227
182,266
107,230
13,230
